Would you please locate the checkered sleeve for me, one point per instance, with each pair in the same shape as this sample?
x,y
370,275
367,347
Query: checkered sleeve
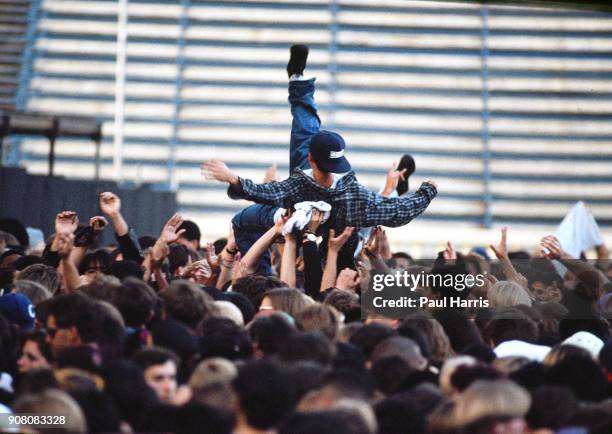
x,y
397,211
270,193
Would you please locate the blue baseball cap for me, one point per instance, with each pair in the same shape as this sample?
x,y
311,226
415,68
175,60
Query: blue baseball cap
x,y
327,150
18,309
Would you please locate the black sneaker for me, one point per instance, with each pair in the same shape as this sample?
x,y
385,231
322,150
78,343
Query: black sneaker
x,y
297,61
407,162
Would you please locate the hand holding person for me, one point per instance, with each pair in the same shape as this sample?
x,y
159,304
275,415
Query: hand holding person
x,y
316,219
348,279
335,243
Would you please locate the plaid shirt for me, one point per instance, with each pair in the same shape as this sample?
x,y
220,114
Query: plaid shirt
x,y
352,203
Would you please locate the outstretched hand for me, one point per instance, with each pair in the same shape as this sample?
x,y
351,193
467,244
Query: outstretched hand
x,y
66,222
551,247
218,170
170,232
110,204
335,243
501,250
394,176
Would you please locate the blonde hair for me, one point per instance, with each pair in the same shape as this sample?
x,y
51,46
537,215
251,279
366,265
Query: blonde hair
x,y
486,398
50,402
319,317
507,293
287,300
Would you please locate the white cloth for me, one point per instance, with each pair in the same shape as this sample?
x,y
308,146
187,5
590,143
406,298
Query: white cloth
x,y
521,349
578,232
303,213
586,341
336,176
6,382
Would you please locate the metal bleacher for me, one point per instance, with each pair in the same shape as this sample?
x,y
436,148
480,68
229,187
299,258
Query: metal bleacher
x,y
13,30
508,108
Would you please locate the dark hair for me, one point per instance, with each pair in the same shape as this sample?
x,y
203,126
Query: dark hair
x,y
311,346
192,231
370,335
135,300
395,414
99,410
505,328
186,302
264,393
76,310
242,303
16,228
125,384
551,407
101,288
219,245
255,286
177,257
146,241
324,422
461,332
221,337
148,357
389,373
100,256
582,375
40,338
269,332
465,375
27,260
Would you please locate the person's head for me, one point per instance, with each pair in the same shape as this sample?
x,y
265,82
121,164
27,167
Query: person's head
x,y
507,293
369,336
191,237
312,346
437,341
46,275
287,300
101,288
53,402
389,373
17,229
400,261
326,153
509,326
254,286
343,300
264,394
33,290
159,367
396,413
324,422
227,309
95,264
561,351
221,337
211,384
487,406
551,407
135,300
582,375
402,347
186,302
35,352
319,317
269,332
72,320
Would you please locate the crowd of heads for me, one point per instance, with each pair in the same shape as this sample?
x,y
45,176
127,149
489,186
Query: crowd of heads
x,y
169,333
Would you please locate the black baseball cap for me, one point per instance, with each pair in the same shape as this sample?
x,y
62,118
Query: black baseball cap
x,y
327,150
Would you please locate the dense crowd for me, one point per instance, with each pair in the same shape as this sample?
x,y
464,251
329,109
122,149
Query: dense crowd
x,y
272,330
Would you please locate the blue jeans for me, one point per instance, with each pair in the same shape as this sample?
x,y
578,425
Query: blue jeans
x,y
253,221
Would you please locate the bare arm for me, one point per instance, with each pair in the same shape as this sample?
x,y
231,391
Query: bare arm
x,y
226,260
501,251
584,271
69,270
334,244
287,272
251,258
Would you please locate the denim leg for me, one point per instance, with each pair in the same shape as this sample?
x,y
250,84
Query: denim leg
x,y
306,122
249,225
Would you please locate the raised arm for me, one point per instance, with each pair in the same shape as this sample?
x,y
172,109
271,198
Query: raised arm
x,y
251,258
110,204
398,211
334,244
271,193
501,251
